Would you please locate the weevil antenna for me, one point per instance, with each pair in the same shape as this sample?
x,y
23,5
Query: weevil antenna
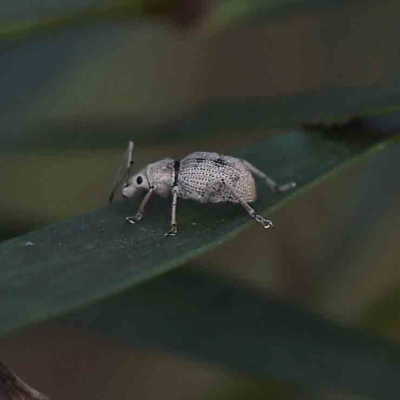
x,y
124,169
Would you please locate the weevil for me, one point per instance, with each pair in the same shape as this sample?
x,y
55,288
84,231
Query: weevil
x,y
201,176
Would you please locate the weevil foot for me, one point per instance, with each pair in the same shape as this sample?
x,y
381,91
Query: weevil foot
x,y
172,232
285,187
266,223
136,218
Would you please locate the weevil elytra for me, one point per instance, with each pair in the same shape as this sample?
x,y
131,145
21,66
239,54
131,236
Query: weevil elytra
x,y
201,176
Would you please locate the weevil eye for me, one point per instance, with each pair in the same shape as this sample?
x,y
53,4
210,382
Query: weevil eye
x,y
139,180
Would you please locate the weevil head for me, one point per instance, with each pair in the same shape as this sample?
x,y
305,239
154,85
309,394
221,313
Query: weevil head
x,y
159,174
135,184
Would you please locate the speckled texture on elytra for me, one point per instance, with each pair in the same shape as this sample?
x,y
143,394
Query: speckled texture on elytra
x,y
201,173
201,176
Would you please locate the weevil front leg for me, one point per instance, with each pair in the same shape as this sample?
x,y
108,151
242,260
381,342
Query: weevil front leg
x,y
174,227
138,216
271,184
266,223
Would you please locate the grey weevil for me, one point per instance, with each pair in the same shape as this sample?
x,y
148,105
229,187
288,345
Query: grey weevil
x,y
201,176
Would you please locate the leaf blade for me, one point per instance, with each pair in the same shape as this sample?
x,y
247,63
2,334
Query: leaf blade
x,y
82,260
189,312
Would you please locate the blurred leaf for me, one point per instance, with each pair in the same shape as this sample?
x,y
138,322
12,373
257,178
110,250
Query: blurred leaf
x,y
19,18
214,320
229,12
223,118
233,12
27,19
71,263
53,59
379,316
20,21
244,387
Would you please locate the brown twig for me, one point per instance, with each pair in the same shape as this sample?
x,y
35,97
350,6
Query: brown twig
x,y
14,388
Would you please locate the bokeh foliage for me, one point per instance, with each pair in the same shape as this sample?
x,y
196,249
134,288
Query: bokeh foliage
x,y
67,265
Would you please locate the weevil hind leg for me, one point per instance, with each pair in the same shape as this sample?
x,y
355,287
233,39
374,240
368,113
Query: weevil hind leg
x,y
270,183
266,223
138,216
174,226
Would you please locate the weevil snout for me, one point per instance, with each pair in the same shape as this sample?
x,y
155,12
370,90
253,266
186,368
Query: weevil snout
x,y
128,191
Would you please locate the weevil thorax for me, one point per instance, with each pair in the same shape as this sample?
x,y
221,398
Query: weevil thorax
x,y
159,174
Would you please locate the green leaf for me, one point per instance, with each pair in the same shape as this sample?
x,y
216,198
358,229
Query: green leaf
x,y
28,20
24,20
233,12
71,263
214,320
55,121
375,103
19,19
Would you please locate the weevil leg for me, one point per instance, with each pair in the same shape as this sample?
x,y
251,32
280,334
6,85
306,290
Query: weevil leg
x,y
271,184
174,227
138,216
266,223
